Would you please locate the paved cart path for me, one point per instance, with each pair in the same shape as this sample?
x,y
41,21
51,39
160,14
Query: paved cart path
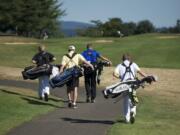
x,y
87,119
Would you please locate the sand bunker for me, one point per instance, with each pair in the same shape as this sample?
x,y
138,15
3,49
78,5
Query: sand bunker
x,y
103,41
168,37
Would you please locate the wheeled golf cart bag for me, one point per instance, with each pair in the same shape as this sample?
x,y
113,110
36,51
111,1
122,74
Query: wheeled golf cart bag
x,y
62,78
33,72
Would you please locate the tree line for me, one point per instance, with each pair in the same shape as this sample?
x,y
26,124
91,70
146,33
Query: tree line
x,y
115,27
30,18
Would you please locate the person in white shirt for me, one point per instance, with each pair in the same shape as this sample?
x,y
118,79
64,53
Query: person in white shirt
x,y
127,70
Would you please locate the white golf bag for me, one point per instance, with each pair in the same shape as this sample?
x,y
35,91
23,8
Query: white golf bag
x,y
117,89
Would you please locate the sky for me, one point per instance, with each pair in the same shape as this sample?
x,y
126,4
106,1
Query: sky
x,y
162,13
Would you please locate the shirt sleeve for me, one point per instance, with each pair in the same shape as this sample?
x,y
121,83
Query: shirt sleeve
x,y
64,61
136,67
116,71
98,54
81,58
51,56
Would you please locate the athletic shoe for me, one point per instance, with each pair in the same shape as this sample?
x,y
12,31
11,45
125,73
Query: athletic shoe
x,y
46,97
74,106
70,104
87,100
132,118
93,101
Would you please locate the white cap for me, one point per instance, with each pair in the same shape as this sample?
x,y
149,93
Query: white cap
x,y
71,47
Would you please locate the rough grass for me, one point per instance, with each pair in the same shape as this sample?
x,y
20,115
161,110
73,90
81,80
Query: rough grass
x,y
149,50
21,105
155,117
158,112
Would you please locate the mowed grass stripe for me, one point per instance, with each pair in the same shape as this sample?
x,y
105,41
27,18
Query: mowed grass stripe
x,y
148,50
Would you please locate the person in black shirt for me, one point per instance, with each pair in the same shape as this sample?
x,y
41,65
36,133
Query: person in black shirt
x,y
41,58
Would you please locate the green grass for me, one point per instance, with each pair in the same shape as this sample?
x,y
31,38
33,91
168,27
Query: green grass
x,y
21,105
148,50
155,116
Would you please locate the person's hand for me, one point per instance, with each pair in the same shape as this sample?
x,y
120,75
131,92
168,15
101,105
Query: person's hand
x,y
92,67
110,63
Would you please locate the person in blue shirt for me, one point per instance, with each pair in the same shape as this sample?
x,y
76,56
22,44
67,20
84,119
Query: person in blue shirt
x,y
91,56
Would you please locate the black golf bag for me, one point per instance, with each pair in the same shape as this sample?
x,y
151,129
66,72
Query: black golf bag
x,y
100,66
115,90
62,78
33,72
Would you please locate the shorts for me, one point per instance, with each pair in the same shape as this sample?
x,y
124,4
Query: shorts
x,y
72,84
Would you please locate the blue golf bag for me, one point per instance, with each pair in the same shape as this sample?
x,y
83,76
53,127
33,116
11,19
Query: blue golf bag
x,y
62,78
33,72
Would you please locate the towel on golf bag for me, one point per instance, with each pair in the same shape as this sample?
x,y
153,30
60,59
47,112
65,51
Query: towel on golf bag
x,y
33,72
62,78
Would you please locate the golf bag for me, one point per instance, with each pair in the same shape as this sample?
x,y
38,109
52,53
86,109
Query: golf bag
x,y
62,78
33,72
117,89
98,69
100,66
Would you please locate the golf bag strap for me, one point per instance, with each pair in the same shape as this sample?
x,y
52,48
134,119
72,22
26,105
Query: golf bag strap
x,y
128,69
71,58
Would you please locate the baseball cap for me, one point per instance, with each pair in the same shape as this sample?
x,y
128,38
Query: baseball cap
x,y
71,47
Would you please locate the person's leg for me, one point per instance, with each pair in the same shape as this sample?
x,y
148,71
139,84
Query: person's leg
x,y
40,89
132,114
75,95
126,108
75,91
69,93
93,87
87,87
45,87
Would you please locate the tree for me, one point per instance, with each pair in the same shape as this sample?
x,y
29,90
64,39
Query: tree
x,y
112,27
129,28
177,27
145,26
31,17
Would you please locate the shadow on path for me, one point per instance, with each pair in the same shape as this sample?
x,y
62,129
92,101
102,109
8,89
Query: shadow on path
x,y
83,121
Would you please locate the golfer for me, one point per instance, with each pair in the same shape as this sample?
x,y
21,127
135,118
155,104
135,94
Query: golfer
x,y
70,60
127,70
41,58
92,57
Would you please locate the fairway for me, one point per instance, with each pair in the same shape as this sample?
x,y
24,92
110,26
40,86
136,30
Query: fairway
x,y
158,54
149,50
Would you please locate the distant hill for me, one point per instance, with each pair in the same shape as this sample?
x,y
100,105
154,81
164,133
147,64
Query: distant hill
x,y
69,27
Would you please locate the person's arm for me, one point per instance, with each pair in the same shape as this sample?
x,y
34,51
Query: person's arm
x,y
89,64
54,58
34,59
63,64
116,73
142,73
61,69
106,59
34,62
51,57
84,61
